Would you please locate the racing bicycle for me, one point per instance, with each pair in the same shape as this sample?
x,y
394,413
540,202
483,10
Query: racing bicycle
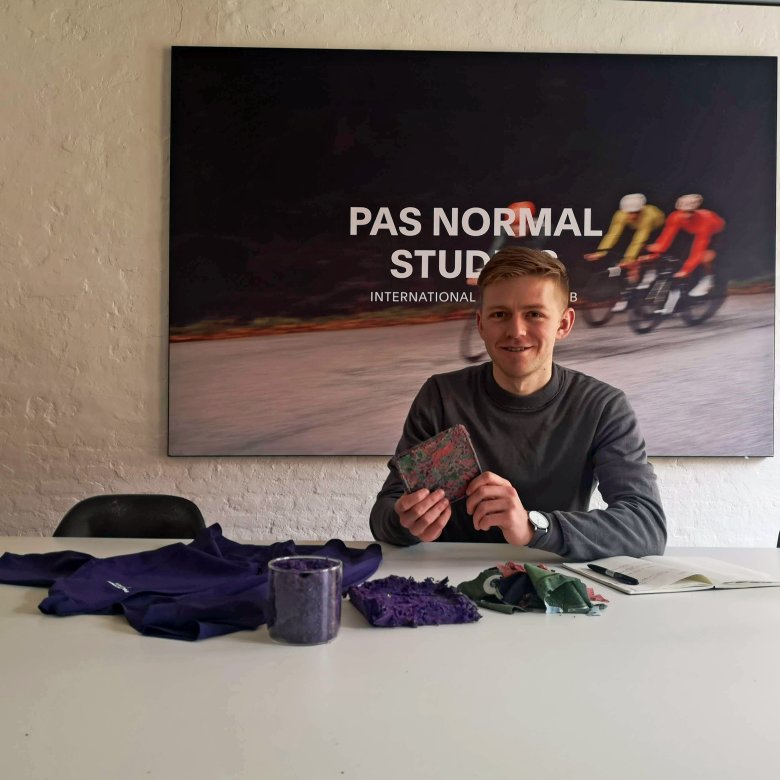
x,y
608,288
667,296
604,290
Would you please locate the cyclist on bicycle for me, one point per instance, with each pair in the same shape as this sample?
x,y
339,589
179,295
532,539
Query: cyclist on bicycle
x,y
636,214
519,235
703,225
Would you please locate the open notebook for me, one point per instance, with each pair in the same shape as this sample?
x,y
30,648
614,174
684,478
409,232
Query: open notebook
x,y
666,574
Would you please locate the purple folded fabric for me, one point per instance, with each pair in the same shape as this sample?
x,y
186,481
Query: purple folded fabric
x,y
402,601
210,587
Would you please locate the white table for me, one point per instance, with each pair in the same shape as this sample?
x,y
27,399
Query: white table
x,y
682,685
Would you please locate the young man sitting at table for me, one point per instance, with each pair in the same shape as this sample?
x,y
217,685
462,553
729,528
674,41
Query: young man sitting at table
x,y
545,436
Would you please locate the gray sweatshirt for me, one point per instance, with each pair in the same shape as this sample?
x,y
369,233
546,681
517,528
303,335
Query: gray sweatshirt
x,y
554,446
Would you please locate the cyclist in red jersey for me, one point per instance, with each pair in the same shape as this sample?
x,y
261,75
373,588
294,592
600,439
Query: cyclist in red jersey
x,y
518,227
703,225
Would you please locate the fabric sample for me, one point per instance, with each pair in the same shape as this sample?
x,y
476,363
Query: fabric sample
x,y
561,592
402,601
528,587
445,461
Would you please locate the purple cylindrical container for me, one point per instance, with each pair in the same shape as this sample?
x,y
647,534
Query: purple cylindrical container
x,y
304,599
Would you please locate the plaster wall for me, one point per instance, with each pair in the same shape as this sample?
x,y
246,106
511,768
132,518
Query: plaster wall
x,y
84,122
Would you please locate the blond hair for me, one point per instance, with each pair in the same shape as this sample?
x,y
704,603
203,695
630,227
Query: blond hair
x,y
516,261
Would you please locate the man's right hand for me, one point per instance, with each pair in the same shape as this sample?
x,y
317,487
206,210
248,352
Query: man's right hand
x,y
423,514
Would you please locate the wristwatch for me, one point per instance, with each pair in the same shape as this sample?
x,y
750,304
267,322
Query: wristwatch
x,y
539,521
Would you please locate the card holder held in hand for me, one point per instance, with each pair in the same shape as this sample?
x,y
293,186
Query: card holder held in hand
x,y
447,461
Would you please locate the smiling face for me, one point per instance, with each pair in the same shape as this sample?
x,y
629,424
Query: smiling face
x,y
520,320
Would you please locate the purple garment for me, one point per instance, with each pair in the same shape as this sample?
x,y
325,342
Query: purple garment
x,y
210,587
403,601
41,570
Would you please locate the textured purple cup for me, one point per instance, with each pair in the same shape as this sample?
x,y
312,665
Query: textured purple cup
x,y
304,599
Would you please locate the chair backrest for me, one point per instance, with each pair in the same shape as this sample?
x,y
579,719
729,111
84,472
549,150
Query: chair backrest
x,y
139,515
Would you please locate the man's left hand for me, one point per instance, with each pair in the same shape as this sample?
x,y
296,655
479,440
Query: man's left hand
x,y
493,502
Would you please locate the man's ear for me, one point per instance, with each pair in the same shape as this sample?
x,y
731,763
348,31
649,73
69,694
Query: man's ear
x,y
566,324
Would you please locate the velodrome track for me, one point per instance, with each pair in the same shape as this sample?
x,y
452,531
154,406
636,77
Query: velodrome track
x,y
703,390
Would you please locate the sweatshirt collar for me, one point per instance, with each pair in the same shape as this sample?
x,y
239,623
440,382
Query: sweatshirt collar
x,y
523,403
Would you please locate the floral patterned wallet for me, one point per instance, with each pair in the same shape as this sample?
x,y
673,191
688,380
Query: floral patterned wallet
x,y
445,461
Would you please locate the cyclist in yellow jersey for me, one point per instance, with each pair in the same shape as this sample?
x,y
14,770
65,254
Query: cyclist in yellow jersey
x,y
636,214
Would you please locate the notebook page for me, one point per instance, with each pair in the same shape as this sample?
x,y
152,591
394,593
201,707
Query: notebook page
x,y
653,573
719,572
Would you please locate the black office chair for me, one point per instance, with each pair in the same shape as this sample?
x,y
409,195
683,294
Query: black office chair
x,y
138,515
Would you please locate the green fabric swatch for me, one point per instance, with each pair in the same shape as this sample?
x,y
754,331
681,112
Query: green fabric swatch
x,y
537,590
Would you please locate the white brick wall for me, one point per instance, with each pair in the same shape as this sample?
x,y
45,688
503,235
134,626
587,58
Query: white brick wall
x,y
83,248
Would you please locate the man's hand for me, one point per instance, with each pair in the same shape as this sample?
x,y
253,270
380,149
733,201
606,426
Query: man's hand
x,y
592,256
423,514
492,501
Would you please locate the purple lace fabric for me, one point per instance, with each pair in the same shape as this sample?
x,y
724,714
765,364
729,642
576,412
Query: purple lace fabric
x,y
402,601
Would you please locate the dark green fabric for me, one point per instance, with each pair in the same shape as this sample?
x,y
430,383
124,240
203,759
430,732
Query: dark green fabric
x,y
482,591
537,590
560,591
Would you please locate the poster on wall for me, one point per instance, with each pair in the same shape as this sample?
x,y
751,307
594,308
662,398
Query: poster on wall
x,y
331,209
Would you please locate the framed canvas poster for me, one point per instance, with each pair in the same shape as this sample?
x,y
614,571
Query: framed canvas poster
x,y
330,210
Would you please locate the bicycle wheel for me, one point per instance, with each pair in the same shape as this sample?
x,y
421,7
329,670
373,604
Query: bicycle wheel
x,y
697,310
643,315
598,314
601,294
472,348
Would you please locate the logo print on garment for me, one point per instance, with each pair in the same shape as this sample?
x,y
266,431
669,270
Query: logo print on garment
x,y
118,586
490,586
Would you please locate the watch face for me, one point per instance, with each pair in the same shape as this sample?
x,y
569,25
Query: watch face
x,y
538,520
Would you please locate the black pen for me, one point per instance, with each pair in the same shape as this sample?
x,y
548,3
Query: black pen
x,y
616,575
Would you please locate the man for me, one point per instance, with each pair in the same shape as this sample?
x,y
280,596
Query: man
x,y
636,214
544,435
703,225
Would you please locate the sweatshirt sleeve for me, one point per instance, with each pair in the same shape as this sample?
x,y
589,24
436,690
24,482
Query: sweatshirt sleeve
x,y
613,234
633,522
668,234
425,419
